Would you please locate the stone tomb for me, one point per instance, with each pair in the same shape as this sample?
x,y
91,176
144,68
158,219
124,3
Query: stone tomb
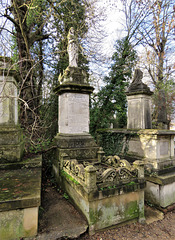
x,y
20,179
107,191
154,146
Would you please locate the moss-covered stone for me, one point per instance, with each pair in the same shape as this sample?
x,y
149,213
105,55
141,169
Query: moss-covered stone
x,y
11,143
17,224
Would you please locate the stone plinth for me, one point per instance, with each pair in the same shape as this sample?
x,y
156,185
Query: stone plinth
x,y
156,147
20,179
11,143
20,187
73,124
73,94
160,190
77,146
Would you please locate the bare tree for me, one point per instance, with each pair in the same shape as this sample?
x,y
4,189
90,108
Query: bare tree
x,y
151,23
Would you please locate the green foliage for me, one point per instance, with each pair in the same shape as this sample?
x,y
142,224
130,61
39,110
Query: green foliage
x,y
66,196
167,102
41,146
65,174
73,14
113,143
109,104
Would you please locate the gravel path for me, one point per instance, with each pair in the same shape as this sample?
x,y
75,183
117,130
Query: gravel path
x,y
160,230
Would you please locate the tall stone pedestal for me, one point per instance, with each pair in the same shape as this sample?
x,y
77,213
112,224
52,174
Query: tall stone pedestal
x,y
73,124
20,179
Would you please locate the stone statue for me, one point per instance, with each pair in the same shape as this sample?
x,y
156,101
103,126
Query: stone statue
x,y
137,85
138,75
72,48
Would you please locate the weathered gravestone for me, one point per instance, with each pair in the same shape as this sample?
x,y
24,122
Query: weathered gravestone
x,y
20,179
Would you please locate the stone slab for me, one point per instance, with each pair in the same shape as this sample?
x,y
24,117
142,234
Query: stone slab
x,y
30,162
160,190
69,141
77,146
155,147
20,188
162,180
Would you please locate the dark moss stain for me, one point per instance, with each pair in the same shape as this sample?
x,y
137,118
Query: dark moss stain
x,y
132,210
94,216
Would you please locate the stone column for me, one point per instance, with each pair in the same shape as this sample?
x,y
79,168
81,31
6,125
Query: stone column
x,y
11,138
139,103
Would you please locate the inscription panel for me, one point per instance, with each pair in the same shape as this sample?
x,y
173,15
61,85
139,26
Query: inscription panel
x,y
73,113
164,148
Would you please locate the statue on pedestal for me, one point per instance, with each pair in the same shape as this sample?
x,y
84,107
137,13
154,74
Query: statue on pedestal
x,y
72,48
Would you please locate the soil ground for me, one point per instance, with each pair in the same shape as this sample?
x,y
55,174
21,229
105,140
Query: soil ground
x,y
60,220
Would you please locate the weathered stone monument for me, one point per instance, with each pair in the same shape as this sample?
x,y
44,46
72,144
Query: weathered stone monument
x,y
20,179
107,190
154,146
139,103
74,90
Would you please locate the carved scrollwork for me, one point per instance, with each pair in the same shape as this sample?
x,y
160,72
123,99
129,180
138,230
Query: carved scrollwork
x,y
109,175
73,163
67,164
80,172
112,160
75,168
120,170
125,174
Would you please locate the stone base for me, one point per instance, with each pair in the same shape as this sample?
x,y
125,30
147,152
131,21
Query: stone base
x,y
11,144
20,187
160,190
16,224
108,207
77,146
155,147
